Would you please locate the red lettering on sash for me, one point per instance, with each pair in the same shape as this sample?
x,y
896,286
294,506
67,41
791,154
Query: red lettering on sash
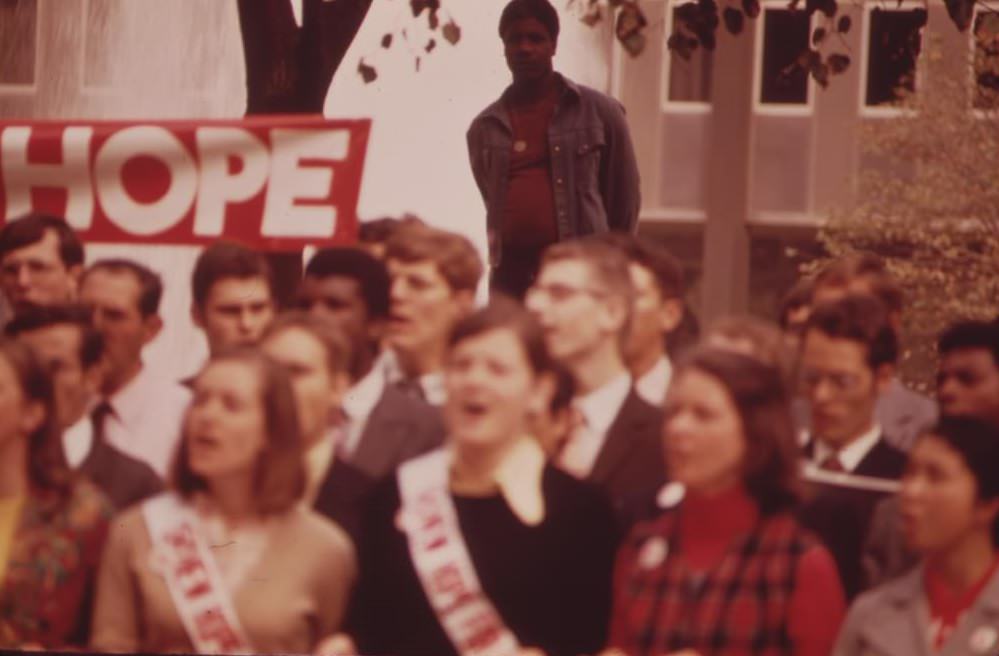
x,y
210,625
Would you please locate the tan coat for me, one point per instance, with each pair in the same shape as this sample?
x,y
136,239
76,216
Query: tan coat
x,y
293,597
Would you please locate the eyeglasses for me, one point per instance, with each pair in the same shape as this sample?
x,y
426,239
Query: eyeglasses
x,y
560,293
838,381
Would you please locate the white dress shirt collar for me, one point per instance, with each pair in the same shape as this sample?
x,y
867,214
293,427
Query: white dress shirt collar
x,y
601,406
851,454
358,403
77,441
652,385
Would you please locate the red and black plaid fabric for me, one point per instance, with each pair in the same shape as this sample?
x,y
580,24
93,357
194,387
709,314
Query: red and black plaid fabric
x,y
738,607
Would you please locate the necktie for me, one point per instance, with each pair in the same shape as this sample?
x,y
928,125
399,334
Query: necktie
x,y
832,463
411,387
98,417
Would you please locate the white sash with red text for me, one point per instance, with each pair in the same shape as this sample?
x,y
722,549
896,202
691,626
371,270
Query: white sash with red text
x,y
427,515
193,577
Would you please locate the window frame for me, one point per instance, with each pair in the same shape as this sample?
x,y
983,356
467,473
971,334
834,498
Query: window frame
x,y
778,109
20,88
885,111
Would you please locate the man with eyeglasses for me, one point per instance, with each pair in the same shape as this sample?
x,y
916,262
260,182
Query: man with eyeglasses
x,y
41,260
583,299
848,355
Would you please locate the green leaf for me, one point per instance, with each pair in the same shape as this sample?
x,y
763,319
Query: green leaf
x,y
733,20
960,11
451,32
838,63
368,73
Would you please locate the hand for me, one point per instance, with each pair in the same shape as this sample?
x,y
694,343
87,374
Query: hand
x,y
339,644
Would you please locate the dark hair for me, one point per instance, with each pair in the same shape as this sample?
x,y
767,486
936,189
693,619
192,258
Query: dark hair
x,y
377,231
31,228
542,10
368,271
565,387
858,318
454,255
45,316
797,297
47,468
841,272
280,470
971,335
685,335
504,312
150,283
757,390
335,344
977,442
665,268
227,260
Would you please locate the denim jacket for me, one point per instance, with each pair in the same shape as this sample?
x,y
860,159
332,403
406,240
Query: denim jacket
x,y
594,172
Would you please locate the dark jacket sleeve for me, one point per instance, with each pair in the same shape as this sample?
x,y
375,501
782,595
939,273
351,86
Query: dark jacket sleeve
x,y
619,177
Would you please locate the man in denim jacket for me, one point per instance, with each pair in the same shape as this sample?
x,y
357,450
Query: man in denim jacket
x,y
552,159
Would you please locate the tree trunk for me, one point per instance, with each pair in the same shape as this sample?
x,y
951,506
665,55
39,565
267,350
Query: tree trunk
x,y
289,68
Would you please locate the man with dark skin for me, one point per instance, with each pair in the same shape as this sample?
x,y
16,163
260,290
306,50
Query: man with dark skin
x,y
552,159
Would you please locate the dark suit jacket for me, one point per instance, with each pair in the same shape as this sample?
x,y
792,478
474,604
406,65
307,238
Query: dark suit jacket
x,y
122,478
342,495
841,515
630,466
399,428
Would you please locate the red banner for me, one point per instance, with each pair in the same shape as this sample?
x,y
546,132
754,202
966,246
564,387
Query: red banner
x,y
274,183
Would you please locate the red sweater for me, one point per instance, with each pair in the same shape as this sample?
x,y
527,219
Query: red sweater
x,y
710,525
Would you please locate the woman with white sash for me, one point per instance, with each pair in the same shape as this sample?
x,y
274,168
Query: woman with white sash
x,y
230,561
481,548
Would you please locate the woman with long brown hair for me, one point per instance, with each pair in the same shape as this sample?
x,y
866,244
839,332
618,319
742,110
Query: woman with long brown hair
x,y
52,525
726,569
230,561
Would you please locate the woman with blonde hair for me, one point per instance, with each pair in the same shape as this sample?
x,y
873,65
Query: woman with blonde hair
x,y
229,561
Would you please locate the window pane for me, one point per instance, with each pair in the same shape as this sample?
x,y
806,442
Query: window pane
x,y
690,80
894,45
17,41
987,59
785,37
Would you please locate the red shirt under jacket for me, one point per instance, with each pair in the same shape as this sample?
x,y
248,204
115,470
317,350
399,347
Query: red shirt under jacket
x,y
947,606
709,538
529,212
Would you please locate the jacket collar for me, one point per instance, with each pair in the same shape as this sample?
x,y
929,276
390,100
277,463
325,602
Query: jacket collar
x,y
497,110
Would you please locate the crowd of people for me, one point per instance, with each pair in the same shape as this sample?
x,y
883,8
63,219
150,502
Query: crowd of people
x,y
376,465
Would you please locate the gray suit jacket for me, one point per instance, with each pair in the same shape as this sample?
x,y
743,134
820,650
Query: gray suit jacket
x,y
903,413
893,619
400,427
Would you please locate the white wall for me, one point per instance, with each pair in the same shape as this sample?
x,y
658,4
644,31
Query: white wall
x,y
182,59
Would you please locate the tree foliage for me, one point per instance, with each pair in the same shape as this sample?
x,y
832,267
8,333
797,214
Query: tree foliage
x,y
928,202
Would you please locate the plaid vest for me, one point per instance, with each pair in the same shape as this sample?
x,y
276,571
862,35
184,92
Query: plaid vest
x,y
740,606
